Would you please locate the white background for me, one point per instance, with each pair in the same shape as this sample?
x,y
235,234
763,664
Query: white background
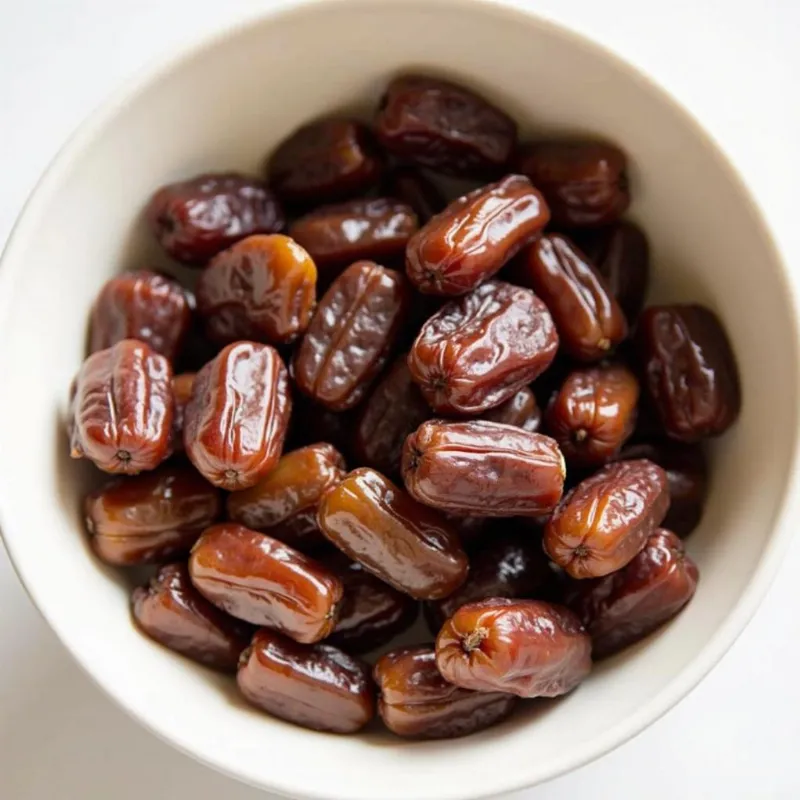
x,y
736,65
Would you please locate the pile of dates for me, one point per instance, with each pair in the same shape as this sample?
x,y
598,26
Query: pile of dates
x,y
374,401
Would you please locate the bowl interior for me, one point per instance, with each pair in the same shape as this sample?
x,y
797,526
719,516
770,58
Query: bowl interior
x,y
224,107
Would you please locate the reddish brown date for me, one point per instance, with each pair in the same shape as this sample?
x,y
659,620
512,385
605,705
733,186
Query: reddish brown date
x,y
194,220
351,334
689,370
438,124
593,414
314,686
475,236
404,543
262,288
141,305
483,468
412,187
479,351
122,409
606,519
237,418
624,607
172,612
261,580
525,647
150,517
323,161
182,386
415,701
590,322
521,410
585,183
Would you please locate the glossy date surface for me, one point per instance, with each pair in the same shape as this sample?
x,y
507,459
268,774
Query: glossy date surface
x,y
521,410
182,386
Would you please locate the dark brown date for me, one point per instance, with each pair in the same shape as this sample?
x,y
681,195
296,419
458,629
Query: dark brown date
x,y
415,701
122,409
590,322
182,386
525,647
479,351
172,612
261,580
483,469
475,236
585,183
312,423
404,543
237,418
194,220
262,288
605,520
412,187
689,370
438,124
521,410
302,532
351,334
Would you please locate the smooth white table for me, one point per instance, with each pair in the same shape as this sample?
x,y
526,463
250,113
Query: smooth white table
x,y
736,65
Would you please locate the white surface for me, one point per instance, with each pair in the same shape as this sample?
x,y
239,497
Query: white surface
x,y
727,738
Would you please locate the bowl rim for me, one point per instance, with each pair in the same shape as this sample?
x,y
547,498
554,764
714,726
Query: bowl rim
x,y
92,127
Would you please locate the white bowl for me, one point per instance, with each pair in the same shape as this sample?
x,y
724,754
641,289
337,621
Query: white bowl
x,y
224,104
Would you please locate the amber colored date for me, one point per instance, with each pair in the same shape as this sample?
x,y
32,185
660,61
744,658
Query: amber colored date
x,y
480,350
475,236
521,410
530,648
605,520
404,543
182,386
412,187
415,701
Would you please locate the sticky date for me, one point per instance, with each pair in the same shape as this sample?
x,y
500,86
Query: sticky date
x,y
521,410
182,386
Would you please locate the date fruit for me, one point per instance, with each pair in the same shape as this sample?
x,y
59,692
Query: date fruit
x,y
182,386
521,410
412,187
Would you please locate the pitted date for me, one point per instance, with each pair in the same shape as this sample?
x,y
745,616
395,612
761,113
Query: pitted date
x,y
172,612
605,520
438,124
351,334
260,580
122,408
237,418
475,236
589,320
150,517
585,183
626,606
521,410
483,468
530,648
262,288
415,701
404,543
412,187
480,350
182,386
194,220
689,370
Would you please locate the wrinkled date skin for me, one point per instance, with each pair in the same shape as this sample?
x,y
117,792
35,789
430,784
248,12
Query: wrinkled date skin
x,y
314,686
521,410
590,322
624,607
605,520
689,370
172,612
263,581
194,220
593,414
237,418
479,351
141,305
475,236
376,229
415,701
584,183
122,409
483,469
324,161
404,543
150,517
182,386
412,187
351,334
263,289
530,648
438,124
